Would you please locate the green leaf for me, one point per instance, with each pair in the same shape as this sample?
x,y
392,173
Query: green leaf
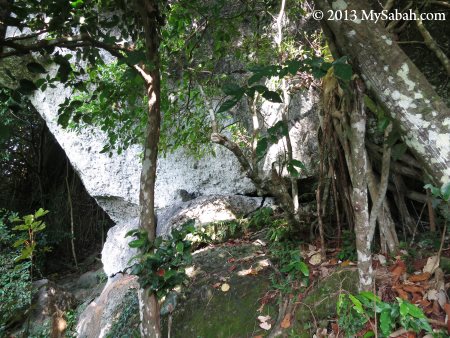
x,y
227,105
27,86
298,164
370,296
136,57
292,171
370,104
403,307
445,191
278,130
369,334
414,311
19,242
21,227
180,247
386,322
36,68
293,66
272,96
25,254
436,192
398,151
357,304
41,212
304,269
77,3
254,78
137,243
132,232
233,89
261,147
343,71
383,123
340,303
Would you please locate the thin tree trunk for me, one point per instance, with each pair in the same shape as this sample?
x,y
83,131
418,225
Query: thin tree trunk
x,y
359,193
149,11
285,111
72,230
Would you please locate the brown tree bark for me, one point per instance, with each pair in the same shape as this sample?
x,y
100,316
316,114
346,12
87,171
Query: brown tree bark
x,y
149,11
415,107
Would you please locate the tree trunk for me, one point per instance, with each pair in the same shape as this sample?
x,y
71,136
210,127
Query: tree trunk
x,y
358,164
149,11
398,85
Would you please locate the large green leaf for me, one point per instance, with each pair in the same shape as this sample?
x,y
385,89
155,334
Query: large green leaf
x,y
137,243
41,212
370,104
36,68
277,131
272,96
445,191
227,105
356,304
343,71
261,147
27,86
298,164
233,89
386,322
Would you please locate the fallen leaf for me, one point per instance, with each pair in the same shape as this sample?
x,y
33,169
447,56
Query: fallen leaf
x,y
315,259
441,298
420,277
333,261
436,308
259,242
424,303
417,297
264,318
335,328
447,311
286,321
402,294
265,326
245,272
231,260
225,287
432,264
216,285
398,269
231,268
345,263
261,308
324,272
412,288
